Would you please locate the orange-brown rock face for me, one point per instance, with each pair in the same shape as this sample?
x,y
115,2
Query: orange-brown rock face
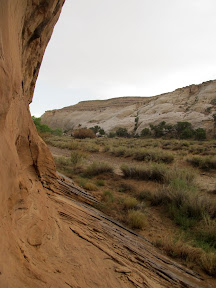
x,y
25,29
47,239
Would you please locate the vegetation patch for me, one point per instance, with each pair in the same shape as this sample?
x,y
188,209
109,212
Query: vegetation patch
x,y
83,133
137,219
98,168
205,163
153,155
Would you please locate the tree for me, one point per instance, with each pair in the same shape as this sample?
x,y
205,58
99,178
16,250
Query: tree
x,y
214,118
200,134
184,130
145,132
122,132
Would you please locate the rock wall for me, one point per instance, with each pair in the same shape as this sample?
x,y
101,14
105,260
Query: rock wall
x,y
25,161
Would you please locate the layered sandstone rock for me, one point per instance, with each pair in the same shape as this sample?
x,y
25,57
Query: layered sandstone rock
x,y
195,104
47,239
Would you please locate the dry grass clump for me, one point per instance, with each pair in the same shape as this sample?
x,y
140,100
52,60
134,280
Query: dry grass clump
x,y
155,172
142,154
205,232
90,186
136,219
98,168
92,148
179,249
118,151
184,251
208,263
130,203
204,163
153,155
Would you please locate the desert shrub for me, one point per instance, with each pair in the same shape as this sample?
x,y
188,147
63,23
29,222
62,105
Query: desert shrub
x,y
153,155
155,172
136,219
182,201
206,232
83,133
118,151
200,134
106,148
204,163
213,101
93,148
130,203
179,249
208,263
100,182
57,132
111,134
214,119
125,187
98,168
90,186
73,145
122,132
77,157
183,250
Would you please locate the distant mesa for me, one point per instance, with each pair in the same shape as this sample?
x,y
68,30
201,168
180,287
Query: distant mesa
x,y
195,104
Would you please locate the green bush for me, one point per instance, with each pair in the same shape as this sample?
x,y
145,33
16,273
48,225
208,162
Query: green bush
x,y
122,132
111,134
145,132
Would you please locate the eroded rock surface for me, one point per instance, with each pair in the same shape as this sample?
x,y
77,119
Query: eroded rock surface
x,y
47,239
195,104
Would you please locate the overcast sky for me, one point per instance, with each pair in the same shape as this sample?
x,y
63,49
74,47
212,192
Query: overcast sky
x,y
102,49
